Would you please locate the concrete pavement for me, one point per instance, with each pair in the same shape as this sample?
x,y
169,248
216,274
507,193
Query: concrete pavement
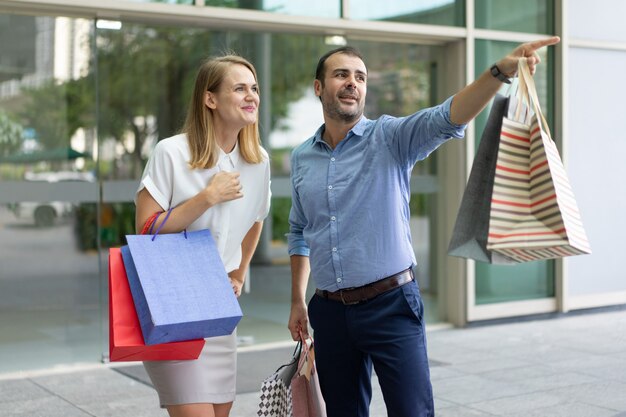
x,y
571,366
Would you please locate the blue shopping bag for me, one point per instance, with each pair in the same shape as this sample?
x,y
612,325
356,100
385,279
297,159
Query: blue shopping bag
x,y
179,285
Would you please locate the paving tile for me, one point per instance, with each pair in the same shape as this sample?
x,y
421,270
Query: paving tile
x,y
495,363
606,394
462,412
544,383
470,389
138,406
443,372
518,403
572,409
21,390
49,406
544,353
441,404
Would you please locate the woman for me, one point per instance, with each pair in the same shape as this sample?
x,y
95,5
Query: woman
x,y
214,175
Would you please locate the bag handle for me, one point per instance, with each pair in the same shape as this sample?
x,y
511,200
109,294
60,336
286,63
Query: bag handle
x,y
150,222
528,84
167,216
306,354
295,356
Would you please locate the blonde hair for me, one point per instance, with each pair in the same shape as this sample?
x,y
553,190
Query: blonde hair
x,y
199,125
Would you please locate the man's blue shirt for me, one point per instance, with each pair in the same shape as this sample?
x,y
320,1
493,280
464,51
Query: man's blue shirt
x,y
350,205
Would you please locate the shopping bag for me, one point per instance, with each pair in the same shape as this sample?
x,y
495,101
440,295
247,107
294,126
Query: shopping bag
x,y
180,287
306,395
533,213
125,338
275,397
469,236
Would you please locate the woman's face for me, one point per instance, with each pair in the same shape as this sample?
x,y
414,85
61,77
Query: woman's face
x,y
236,103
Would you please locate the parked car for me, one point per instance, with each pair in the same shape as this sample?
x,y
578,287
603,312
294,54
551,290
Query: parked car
x,y
44,214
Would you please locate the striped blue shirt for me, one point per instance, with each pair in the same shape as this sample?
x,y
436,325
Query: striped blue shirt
x,y
350,205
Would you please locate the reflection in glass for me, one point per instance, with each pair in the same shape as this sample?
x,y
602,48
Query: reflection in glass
x,y
429,12
532,16
50,310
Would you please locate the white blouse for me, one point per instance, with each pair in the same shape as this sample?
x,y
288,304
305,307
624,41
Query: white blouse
x,y
170,181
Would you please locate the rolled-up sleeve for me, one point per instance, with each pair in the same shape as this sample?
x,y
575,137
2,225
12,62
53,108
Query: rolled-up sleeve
x,y
297,220
416,136
157,177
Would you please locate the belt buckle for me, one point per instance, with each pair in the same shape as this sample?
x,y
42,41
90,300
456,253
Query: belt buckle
x,y
347,303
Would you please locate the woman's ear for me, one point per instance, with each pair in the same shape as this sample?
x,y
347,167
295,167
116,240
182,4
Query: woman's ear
x,y
209,100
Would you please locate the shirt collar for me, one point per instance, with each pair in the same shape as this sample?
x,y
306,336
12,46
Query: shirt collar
x,y
357,130
230,160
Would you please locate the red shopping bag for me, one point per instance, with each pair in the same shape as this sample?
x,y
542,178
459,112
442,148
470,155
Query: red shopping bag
x,y
125,338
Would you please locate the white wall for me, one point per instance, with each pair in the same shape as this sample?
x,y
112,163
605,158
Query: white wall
x,y
596,148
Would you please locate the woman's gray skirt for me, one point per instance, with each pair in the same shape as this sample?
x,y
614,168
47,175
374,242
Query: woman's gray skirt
x,y
209,379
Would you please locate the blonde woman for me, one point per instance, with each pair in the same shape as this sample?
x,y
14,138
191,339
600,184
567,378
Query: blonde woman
x,y
214,175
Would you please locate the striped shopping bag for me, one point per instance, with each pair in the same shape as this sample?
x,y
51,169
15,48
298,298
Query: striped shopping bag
x,y
533,212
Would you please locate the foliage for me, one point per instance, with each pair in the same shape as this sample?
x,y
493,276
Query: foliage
x,y
10,135
56,110
116,221
280,217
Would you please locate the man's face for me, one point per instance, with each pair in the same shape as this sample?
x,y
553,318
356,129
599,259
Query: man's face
x,y
344,88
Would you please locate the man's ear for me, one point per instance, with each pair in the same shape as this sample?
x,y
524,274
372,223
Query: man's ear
x,y
317,87
209,100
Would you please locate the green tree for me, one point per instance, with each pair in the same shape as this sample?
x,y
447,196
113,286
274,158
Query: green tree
x,y
10,135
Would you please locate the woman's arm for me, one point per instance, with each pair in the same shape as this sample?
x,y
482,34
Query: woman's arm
x,y
248,246
224,186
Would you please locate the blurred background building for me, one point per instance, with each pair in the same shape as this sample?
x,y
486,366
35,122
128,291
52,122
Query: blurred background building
x,y
88,87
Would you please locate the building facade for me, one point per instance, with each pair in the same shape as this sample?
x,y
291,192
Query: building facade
x,y
88,87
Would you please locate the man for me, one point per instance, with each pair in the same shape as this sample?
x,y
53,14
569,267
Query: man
x,y
350,228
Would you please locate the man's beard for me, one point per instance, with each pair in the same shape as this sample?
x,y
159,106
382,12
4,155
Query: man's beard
x,y
334,111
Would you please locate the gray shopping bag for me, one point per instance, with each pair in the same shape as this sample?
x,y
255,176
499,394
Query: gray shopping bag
x,y
469,237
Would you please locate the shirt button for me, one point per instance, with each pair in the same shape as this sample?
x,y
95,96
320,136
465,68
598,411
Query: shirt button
x,y
332,159
338,279
333,218
334,249
330,187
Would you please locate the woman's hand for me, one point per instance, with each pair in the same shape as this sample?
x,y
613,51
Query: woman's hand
x,y
237,285
224,186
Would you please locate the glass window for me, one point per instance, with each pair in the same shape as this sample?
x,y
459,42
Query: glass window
x,y
534,279
532,16
401,80
598,20
323,8
188,2
50,294
429,12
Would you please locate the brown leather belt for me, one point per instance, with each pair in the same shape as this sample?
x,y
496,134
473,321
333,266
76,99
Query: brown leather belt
x,y
357,295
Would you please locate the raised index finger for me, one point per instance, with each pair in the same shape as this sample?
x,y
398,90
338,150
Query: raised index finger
x,y
543,42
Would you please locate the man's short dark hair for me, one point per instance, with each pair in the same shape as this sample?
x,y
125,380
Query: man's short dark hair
x,y
348,50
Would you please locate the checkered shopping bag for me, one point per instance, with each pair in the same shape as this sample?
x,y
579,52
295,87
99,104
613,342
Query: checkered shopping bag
x,y
275,399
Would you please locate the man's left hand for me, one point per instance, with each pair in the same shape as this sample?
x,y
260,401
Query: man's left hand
x,y
528,51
